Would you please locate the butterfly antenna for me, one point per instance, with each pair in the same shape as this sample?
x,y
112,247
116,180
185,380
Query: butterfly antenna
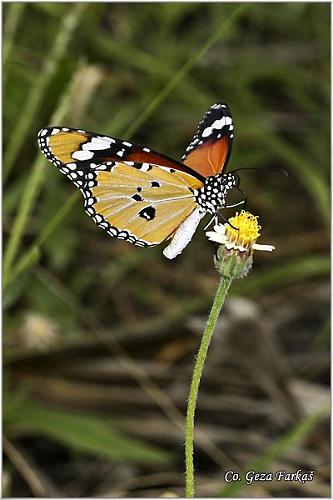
x,y
226,220
280,169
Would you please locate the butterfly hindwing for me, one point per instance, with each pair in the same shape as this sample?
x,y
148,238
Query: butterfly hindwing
x,y
209,151
143,206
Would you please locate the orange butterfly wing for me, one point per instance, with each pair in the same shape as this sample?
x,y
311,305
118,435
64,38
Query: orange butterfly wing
x,y
210,149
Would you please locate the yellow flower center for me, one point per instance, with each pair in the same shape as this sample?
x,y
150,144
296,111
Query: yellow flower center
x,y
247,230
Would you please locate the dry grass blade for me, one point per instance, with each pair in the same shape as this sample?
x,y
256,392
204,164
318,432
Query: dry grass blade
x,y
41,486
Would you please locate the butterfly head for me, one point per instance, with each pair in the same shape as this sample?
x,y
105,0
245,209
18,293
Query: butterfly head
x,y
230,180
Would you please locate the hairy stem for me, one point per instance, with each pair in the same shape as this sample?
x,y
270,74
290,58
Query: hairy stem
x,y
197,373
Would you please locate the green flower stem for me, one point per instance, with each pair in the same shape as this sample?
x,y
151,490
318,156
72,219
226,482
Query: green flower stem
x,y
220,296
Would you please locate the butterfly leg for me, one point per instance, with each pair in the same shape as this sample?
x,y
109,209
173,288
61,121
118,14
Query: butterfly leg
x,y
213,219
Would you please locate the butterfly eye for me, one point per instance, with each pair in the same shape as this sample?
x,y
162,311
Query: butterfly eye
x,y
234,179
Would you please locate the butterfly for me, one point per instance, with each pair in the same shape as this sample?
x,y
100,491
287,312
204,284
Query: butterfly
x,y
141,196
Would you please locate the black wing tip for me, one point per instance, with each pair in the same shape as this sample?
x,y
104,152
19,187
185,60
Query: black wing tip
x,y
47,131
42,132
220,106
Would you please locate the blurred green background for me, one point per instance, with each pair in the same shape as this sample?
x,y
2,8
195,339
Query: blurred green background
x,y
100,336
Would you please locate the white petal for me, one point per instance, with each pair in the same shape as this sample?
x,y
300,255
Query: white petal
x,y
218,234
264,248
219,238
219,228
233,246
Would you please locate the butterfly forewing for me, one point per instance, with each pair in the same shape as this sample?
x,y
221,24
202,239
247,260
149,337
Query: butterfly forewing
x,y
209,151
76,151
143,206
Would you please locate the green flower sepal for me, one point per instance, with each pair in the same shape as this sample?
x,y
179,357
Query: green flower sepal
x,y
232,264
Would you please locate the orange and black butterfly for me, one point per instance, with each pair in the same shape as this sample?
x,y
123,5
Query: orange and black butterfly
x,y
141,196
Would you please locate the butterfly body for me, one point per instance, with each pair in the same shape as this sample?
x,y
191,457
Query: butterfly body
x,y
140,195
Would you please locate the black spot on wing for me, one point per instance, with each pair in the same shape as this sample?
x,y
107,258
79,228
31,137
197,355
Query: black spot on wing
x,y
147,213
155,184
137,197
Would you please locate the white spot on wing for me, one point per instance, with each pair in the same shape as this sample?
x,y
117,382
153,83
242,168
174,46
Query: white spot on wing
x,y
82,155
105,138
96,144
218,124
